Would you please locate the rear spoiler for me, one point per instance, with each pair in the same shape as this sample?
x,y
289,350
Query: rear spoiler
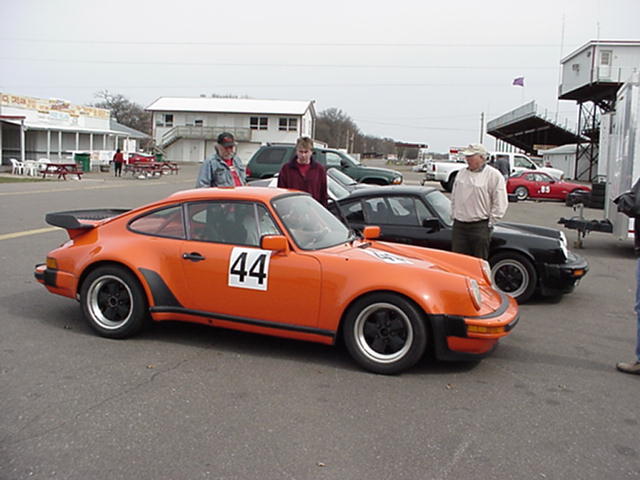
x,y
75,221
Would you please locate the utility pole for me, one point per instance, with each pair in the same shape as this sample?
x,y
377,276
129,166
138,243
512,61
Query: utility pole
x,y
481,126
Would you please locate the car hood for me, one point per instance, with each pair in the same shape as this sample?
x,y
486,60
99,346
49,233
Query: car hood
x,y
507,228
386,171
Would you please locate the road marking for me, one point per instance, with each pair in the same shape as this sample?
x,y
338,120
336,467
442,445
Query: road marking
x,y
25,233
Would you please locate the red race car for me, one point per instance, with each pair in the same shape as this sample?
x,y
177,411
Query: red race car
x,y
541,185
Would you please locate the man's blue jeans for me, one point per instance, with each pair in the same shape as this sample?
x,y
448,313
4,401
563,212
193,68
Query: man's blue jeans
x,y
638,308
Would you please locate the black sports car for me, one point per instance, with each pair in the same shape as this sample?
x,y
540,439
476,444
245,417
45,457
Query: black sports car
x,y
524,258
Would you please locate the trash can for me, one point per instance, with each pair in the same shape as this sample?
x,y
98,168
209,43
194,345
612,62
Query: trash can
x,y
159,157
83,160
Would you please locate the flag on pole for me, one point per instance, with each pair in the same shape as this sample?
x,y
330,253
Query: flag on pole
x,y
519,81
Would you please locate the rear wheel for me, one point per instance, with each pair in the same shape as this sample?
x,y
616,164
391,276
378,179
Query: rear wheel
x,y
522,193
514,275
385,333
114,302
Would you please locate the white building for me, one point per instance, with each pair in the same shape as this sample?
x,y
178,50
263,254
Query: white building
x,y
187,128
33,128
562,157
597,64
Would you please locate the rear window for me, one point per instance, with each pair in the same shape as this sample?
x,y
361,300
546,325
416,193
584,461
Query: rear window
x,y
271,156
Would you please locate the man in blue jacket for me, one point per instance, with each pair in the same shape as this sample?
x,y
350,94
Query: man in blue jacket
x,y
223,168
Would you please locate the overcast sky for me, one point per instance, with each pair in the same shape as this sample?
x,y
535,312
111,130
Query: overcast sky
x,y
417,71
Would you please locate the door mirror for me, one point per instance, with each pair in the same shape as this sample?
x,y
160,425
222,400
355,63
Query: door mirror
x,y
371,232
276,243
431,224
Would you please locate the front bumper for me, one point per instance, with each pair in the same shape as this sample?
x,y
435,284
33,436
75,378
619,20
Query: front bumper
x,y
562,278
458,338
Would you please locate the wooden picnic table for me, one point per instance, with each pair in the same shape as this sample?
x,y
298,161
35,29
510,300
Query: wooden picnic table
x,y
150,168
62,169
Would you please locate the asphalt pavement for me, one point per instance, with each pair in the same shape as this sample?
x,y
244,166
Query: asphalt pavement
x,y
185,401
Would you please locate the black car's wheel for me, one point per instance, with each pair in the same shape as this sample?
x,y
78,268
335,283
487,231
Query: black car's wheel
x,y
385,333
514,275
449,184
113,302
521,193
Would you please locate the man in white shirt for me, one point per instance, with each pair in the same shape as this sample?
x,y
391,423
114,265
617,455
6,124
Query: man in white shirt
x,y
478,200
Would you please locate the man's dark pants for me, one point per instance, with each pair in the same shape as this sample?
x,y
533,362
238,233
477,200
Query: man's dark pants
x,y
471,238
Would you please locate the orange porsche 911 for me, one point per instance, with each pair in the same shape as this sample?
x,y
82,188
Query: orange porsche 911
x,y
275,262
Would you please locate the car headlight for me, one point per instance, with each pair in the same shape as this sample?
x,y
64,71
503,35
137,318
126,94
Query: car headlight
x,y
474,293
486,271
397,181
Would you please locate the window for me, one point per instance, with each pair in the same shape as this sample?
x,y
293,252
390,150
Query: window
x,y
271,156
333,159
523,162
162,223
288,124
198,123
258,123
230,222
353,212
164,120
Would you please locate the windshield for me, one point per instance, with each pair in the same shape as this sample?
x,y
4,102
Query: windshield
x,y
356,162
441,205
341,177
311,225
335,189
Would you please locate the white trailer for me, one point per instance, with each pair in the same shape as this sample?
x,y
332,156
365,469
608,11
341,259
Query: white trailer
x,y
621,155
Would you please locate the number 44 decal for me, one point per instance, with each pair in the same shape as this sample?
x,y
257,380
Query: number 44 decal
x,y
249,268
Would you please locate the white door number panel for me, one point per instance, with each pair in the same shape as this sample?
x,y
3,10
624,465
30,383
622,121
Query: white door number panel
x,y
249,268
545,189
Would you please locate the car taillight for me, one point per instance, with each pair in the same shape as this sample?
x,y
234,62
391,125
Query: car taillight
x,y
248,172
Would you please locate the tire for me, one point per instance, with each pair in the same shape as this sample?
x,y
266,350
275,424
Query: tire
x,y
114,302
444,185
514,275
449,185
385,333
522,193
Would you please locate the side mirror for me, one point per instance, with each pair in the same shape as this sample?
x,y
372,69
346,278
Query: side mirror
x,y
553,180
371,232
431,224
276,243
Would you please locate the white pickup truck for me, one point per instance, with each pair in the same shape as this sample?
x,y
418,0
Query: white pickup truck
x,y
445,171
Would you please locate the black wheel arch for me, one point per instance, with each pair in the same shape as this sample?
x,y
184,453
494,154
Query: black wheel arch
x,y
111,263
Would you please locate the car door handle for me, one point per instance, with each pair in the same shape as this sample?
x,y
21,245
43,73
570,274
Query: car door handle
x,y
193,256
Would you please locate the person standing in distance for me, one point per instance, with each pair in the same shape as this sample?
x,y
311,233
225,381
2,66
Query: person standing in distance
x,y
478,200
304,173
223,168
118,160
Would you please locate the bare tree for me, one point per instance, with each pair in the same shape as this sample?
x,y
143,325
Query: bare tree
x,y
125,111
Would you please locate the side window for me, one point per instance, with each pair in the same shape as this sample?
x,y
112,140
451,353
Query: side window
x,y
403,211
376,211
524,162
423,212
333,159
352,212
271,156
230,222
162,223
531,177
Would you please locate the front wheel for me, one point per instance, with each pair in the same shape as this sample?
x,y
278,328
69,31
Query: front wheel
x,y
513,274
114,302
522,193
385,333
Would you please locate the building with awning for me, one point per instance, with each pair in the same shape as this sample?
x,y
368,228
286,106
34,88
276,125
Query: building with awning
x,y
33,128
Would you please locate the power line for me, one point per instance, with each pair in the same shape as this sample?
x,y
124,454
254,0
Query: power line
x,y
278,65
284,44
